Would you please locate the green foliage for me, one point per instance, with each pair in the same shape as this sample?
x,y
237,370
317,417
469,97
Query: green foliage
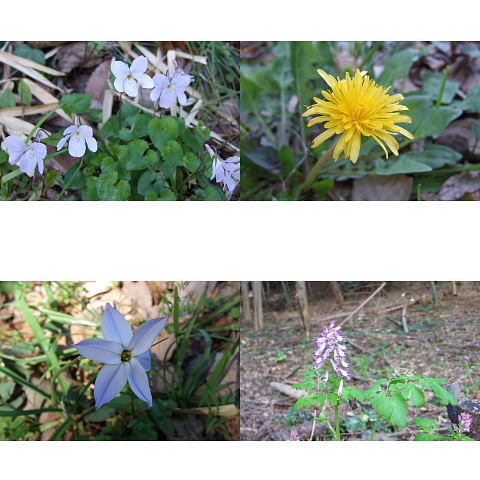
x,y
147,159
26,51
390,398
76,103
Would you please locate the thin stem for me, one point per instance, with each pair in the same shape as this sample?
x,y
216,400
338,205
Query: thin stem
x,y
60,195
374,428
337,420
313,425
312,175
442,87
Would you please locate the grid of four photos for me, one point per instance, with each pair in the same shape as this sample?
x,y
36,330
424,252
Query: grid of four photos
x,y
230,360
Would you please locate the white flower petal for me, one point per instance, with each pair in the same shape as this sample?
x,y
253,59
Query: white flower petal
x,y
71,129
181,80
155,94
144,80
76,145
167,98
161,81
120,69
62,142
182,99
131,87
209,150
118,84
15,147
139,65
92,144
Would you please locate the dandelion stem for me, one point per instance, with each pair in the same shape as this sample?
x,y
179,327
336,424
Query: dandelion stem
x,y
312,175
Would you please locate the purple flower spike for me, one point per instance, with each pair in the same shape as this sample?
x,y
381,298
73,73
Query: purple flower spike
x,y
466,422
126,356
295,436
329,346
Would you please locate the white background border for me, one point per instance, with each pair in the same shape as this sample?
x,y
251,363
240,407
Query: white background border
x,y
206,241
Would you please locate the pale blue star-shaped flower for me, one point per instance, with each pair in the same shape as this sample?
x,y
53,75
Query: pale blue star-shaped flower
x,y
226,172
126,356
168,88
128,78
78,138
27,157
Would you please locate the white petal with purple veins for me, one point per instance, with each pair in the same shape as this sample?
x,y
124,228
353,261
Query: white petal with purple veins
x,y
139,65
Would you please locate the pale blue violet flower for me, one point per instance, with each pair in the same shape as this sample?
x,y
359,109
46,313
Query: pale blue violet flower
x,y
168,88
78,138
126,356
27,157
226,172
128,78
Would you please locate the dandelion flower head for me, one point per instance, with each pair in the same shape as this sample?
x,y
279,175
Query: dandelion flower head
x,y
355,107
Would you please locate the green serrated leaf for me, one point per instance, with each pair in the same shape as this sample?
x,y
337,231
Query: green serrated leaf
x,y
427,424
415,395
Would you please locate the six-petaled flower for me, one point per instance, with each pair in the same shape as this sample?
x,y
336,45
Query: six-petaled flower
x,y
26,156
126,356
128,78
168,88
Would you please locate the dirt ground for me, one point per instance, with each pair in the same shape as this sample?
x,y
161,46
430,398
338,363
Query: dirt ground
x,y
442,341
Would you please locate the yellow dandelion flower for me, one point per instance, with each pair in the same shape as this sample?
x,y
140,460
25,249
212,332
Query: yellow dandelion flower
x,y
354,107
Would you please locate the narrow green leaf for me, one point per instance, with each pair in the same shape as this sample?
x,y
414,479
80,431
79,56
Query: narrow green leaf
x,y
22,381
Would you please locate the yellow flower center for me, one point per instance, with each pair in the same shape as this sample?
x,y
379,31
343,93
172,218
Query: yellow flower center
x,y
126,356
